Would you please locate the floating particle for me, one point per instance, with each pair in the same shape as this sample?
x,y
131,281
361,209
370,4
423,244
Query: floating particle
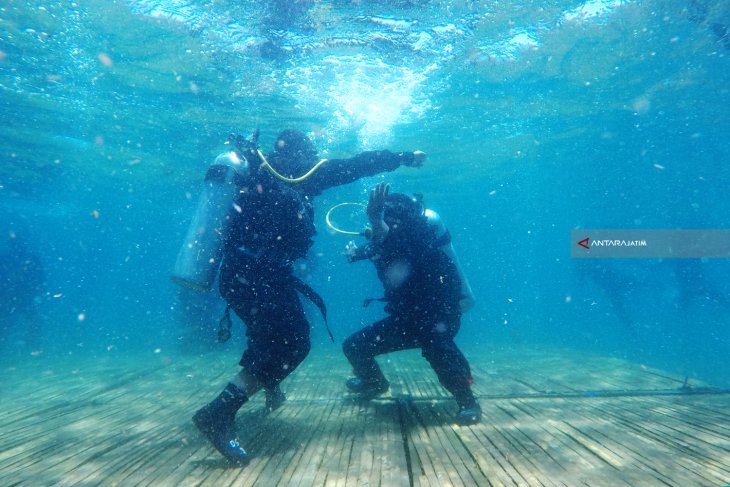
x,y
105,60
95,213
641,105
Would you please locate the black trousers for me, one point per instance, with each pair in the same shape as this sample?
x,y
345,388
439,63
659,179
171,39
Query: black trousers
x,y
434,337
277,330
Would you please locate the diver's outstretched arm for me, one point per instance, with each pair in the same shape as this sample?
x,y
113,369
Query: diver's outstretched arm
x,y
336,172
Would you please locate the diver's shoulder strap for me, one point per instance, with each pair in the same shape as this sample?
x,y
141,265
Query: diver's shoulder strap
x,y
307,291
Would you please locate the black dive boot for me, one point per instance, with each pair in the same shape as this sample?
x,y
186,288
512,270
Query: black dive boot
x,y
469,410
216,421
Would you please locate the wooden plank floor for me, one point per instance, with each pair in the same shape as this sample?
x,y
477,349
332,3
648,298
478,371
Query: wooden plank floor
x,y
551,418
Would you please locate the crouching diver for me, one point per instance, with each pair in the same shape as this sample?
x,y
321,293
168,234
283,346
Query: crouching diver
x,y
425,295
254,219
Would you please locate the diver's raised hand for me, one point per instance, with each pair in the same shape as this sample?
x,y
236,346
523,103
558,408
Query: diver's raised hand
x,y
376,203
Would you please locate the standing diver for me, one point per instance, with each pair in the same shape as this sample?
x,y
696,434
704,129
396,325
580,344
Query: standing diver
x,y
425,295
257,218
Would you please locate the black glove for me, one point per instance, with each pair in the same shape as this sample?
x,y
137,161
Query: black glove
x,y
246,148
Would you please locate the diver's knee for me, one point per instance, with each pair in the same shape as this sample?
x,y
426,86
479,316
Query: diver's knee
x,y
349,346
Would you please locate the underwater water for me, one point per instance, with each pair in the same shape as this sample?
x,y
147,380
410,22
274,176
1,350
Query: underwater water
x,y
537,117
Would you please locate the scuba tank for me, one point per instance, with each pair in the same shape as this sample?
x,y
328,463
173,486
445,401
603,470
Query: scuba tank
x,y
202,250
467,295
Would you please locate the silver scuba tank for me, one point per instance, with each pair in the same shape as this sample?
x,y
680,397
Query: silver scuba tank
x,y
202,250
467,295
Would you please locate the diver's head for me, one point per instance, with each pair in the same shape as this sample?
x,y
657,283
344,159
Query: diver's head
x,y
294,154
294,144
401,209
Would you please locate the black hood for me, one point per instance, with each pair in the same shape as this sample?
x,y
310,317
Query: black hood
x,y
294,153
402,208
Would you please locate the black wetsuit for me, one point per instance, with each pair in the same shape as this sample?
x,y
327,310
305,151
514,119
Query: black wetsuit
x,y
422,292
272,226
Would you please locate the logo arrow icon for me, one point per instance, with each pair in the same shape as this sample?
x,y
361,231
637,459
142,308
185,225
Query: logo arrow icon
x,y
584,243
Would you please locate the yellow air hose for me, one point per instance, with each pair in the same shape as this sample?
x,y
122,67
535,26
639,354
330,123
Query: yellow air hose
x,y
270,168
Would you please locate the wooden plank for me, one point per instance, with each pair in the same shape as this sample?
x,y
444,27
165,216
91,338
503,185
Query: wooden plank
x,y
72,425
396,465
426,435
661,440
531,447
438,417
582,461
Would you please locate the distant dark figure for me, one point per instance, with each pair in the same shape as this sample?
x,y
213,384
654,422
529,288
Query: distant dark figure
x,y
616,286
715,16
22,280
289,14
694,287
283,17
721,31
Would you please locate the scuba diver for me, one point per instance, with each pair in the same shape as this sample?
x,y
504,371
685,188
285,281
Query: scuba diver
x,y
255,219
425,295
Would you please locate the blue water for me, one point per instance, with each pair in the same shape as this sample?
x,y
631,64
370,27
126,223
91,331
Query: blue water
x,y
537,118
